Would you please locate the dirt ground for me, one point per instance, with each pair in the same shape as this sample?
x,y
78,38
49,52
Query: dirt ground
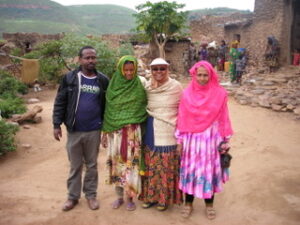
x,y
264,187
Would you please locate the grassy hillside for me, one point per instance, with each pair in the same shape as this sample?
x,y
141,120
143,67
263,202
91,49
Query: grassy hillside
x,y
45,16
198,13
44,10
44,27
105,18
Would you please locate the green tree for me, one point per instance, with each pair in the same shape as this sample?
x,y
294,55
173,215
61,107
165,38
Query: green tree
x,y
56,57
160,21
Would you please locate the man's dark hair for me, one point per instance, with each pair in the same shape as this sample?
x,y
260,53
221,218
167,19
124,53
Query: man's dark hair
x,y
83,48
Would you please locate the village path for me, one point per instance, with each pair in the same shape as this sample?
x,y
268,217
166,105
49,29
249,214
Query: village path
x,y
264,187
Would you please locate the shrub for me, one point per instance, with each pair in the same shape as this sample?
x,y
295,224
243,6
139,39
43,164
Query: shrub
x,y
11,105
126,49
7,132
55,56
10,87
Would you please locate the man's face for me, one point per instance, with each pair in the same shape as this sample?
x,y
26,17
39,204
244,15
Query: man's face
x,y
88,60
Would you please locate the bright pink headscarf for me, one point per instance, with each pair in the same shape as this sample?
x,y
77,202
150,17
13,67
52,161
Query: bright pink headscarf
x,y
201,105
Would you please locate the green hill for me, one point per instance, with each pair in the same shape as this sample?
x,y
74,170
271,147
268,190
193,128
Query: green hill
x,y
105,19
44,10
45,16
48,17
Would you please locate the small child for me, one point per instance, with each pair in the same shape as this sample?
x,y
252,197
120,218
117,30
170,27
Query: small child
x,y
36,86
240,68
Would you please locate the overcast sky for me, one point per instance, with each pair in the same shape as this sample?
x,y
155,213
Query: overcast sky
x,y
190,4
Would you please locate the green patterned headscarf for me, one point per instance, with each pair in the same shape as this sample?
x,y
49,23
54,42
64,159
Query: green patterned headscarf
x,y
126,100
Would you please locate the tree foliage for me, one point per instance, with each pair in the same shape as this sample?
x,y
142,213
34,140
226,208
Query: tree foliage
x,y
57,57
160,21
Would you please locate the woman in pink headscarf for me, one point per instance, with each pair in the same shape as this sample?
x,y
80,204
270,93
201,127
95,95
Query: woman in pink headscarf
x,y
202,124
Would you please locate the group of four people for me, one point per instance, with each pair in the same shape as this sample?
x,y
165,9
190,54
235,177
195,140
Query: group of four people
x,y
162,141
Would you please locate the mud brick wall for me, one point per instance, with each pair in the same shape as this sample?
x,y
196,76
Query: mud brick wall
x,y
269,19
174,55
114,40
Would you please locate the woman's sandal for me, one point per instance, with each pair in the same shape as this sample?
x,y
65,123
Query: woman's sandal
x,y
147,205
130,206
117,203
186,211
161,207
210,213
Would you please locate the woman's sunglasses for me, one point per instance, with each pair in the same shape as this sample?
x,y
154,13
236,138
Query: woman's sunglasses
x,y
158,68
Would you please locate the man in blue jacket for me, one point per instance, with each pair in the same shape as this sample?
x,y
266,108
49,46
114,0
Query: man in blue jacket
x,y
79,104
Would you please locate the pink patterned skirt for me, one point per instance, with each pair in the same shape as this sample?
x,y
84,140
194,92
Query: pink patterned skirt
x,y
201,174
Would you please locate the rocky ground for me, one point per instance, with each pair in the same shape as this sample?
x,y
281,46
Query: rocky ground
x,y
263,187
279,91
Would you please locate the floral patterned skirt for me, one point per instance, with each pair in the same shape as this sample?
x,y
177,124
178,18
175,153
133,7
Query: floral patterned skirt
x,y
123,171
160,183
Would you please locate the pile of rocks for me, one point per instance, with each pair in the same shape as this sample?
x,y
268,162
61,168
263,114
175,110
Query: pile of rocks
x,y
278,91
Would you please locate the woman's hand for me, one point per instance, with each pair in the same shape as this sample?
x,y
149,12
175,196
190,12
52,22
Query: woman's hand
x,y
224,147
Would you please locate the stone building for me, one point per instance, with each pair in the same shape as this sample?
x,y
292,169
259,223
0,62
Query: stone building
x,y
279,18
27,41
176,54
212,28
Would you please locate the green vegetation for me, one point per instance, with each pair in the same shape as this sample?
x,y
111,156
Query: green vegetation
x,y
7,132
25,25
47,17
10,87
10,104
160,22
105,19
41,10
56,56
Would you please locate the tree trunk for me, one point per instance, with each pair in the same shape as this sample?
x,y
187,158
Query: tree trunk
x,y
31,115
161,46
161,51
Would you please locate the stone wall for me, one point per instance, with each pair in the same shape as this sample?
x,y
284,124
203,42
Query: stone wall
x,y
278,91
270,17
211,28
29,40
208,29
114,40
175,55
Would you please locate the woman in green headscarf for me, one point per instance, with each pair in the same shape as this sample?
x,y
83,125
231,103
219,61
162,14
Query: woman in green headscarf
x,y
125,110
